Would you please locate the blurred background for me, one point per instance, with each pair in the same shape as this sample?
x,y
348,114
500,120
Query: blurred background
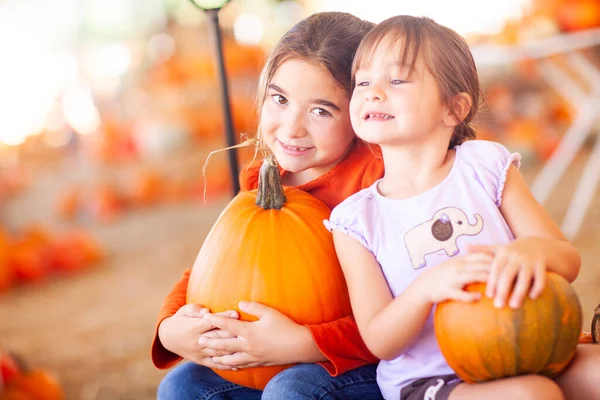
x,y
109,109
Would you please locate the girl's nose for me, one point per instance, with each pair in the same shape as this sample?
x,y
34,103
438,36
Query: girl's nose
x,y
375,93
293,126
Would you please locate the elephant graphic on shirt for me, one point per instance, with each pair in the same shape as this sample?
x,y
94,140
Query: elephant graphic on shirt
x,y
440,233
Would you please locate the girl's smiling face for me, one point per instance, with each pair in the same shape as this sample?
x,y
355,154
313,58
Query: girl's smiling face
x,y
305,120
393,103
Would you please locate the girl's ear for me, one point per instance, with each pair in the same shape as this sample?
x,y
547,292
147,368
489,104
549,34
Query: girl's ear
x,y
459,108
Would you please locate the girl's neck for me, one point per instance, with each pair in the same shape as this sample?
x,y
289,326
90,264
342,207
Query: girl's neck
x,y
414,168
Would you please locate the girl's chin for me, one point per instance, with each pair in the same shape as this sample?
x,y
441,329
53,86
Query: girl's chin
x,y
292,167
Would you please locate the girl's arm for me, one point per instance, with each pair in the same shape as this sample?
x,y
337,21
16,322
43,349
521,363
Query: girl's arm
x,y
527,219
161,357
387,325
539,246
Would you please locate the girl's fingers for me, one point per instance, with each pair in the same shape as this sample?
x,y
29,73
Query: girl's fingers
x,y
505,283
204,325
238,360
480,274
223,367
208,362
467,297
495,271
225,346
480,258
482,248
218,334
539,281
208,352
521,286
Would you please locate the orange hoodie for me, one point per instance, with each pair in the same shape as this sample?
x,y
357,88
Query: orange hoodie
x,y
339,340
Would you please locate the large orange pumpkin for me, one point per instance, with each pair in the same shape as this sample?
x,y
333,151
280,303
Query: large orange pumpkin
x,y
481,342
269,245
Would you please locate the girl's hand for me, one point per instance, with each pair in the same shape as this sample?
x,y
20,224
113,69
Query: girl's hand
x,y
180,334
515,265
272,340
447,280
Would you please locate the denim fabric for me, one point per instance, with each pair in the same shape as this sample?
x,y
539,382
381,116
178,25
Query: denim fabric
x,y
305,381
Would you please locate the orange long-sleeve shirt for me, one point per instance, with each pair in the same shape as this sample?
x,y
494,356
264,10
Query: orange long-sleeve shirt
x,y
338,340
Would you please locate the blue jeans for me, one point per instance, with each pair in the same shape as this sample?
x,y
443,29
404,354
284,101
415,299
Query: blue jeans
x,y
304,381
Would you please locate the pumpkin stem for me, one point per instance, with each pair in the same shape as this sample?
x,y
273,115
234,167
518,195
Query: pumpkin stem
x,y
270,190
596,325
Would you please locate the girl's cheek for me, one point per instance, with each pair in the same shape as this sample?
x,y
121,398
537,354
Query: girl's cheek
x,y
268,123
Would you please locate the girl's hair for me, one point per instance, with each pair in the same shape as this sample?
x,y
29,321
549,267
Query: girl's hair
x,y
326,39
445,53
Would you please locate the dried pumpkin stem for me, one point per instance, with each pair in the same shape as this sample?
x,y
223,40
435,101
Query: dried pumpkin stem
x,y
596,325
270,190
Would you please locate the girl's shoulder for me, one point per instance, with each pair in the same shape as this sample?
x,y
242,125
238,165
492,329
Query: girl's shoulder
x,y
483,149
351,216
356,201
487,155
488,163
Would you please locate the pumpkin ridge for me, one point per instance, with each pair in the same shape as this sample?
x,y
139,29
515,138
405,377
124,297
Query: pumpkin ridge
x,y
305,228
256,271
557,307
485,359
244,274
574,314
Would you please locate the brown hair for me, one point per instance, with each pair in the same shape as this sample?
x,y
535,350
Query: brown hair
x,y
445,53
326,39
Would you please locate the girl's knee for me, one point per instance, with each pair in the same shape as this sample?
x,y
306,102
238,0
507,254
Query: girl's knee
x,y
537,387
298,382
186,381
587,357
178,377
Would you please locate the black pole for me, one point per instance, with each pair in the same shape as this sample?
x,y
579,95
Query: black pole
x,y
233,163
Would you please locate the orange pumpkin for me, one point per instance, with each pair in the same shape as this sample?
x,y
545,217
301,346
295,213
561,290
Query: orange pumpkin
x,y
481,342
269,245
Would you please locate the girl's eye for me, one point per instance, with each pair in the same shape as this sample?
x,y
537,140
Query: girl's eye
x,y
279,99
321,112
397,81
363,83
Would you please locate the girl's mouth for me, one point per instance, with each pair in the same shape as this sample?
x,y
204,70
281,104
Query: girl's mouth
x,y
378,117
294,150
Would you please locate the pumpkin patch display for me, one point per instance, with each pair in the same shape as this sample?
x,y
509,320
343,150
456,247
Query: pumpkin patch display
x,y
482,343
269,245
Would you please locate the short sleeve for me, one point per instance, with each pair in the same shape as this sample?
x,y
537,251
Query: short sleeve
x,y
346,218
490,163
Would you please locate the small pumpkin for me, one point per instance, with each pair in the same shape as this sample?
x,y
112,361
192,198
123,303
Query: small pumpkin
x,y
596,325
269,245
482,343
